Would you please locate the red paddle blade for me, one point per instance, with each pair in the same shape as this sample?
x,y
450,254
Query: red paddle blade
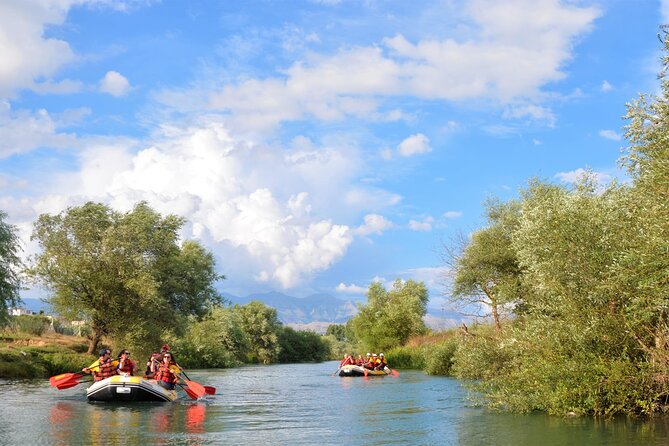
x,y
365,371
67,384
395,373
190,393
210,390
197,389
64,377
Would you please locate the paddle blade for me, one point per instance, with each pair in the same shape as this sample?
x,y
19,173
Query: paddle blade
x,y
210,390
67,384
64,377
196,388
365,371
395,373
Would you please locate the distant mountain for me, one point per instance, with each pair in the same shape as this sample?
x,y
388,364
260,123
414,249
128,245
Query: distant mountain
x,y
35,305
318,311
294,310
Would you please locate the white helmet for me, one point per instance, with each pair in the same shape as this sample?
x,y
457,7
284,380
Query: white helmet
x,y
380,354
368,354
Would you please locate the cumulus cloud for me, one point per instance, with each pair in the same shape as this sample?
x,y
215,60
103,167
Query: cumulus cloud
x,y
610,134
374,224
23,131
268,208
579,174
534,112
414,145
115,84
511,58
606,86
350,289
452,214
26,53
423,225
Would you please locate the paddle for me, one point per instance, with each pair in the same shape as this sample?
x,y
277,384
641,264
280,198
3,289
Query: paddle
x,y
393,372
335,373
209,390
64,377
68,384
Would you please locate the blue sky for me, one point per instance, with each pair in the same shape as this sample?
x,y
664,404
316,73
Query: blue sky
x,y
314,146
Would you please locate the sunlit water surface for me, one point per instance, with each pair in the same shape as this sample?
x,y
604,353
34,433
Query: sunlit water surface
x,y
300,404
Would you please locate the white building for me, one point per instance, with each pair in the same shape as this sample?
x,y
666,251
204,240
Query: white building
x,y
19,311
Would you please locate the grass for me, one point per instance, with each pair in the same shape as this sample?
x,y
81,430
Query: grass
x,y
24,355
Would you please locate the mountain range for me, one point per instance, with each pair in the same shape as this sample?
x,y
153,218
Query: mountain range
x,y
315,312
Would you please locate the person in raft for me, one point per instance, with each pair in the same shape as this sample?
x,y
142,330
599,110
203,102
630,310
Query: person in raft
x,y
163,371
359,361
348,359
368,361
126,366
380,362
155,357
103,368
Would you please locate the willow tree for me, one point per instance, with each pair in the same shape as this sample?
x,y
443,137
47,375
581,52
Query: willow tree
x,y
391,317
9,267
485,274
124,273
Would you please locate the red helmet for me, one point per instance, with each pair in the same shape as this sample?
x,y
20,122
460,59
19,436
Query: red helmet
x,y
165,348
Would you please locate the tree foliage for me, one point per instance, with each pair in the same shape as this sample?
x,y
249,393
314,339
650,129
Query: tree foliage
x,y
10,264
390,317
302,346
261,324
124,272
486,273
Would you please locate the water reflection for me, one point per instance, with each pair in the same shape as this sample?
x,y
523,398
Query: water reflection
x,y
299,404
79,422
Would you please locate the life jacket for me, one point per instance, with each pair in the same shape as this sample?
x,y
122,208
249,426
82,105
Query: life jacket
x,y
105,369
128,367
165,374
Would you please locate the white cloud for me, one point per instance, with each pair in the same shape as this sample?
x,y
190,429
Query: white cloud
x,y
350,289
424,225
606,86
374,224
512,56
268,208
115,84
23,131
414,145
610,134
26,53
534,112
452,214
579,174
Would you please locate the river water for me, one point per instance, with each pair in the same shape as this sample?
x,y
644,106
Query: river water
x,y
300,404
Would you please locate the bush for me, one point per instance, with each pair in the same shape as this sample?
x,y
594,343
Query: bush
x,y
33,324
440,359
302,346
408,357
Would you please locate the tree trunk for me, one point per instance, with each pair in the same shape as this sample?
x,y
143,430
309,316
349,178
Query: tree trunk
x,y
495,317
93,341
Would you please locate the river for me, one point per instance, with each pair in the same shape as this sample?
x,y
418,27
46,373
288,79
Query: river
x,y
300,404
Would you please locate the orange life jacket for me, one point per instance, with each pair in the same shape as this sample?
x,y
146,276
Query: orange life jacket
x,y
128,367
105,370
165,374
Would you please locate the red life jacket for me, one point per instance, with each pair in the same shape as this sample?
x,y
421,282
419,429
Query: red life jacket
x,y
165,374
128,367
105,370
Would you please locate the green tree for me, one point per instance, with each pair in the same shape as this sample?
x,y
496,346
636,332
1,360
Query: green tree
x,y
486,272
302,346
262,326
390,318
218,340
10,264
103,266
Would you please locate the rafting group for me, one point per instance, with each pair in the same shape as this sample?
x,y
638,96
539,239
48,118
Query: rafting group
x,y
371,365
118,379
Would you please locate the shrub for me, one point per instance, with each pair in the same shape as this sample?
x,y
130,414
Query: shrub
x,y
33,324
